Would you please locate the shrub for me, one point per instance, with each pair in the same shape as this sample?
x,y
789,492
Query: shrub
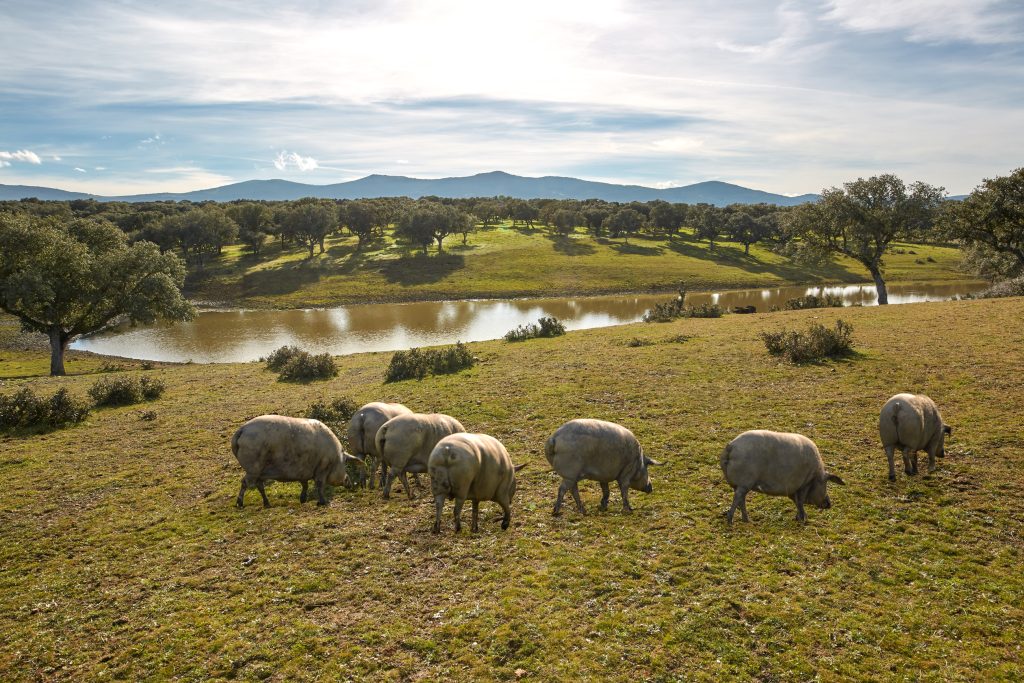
x,y
637,341
1014,287
305,367
151,388
417,364
676,308
334,413
814,301
24,409
550,327
544,327
116,391
296,365
64,409
124,391
817,343
280,357
703,311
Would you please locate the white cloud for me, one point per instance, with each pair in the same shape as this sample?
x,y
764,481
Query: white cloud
x,y
56,158
153,139
21,155
976,21
4,163
101,168
286,159
80,170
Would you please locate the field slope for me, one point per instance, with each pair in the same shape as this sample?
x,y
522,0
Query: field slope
x,y
123,557
516,262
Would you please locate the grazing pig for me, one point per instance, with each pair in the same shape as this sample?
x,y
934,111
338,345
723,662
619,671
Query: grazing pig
x,y
362,432
778,464
474,467
405,442
600,451
280,448
911,422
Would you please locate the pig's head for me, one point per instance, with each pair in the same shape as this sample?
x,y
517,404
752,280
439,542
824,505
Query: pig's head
x,y
641,480
818,493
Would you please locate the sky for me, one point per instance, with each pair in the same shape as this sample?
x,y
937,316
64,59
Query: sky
x,y
118,97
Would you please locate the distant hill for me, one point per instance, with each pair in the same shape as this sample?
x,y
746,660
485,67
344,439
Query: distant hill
x,y
8,192
495,183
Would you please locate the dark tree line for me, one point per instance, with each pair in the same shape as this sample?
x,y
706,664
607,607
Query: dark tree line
x,y
859,220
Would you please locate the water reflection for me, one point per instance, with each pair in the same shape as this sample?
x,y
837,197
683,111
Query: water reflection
x,y
228,336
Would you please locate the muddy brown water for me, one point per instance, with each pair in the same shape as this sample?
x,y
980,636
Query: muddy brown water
x,y
238,336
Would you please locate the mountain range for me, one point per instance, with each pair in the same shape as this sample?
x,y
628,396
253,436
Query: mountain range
x,y
493,184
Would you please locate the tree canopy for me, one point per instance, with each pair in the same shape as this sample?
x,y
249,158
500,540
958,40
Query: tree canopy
x,y
990,221
66,278
863,218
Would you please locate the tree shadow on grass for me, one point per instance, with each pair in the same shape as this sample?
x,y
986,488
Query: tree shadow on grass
x,y
569,246
422,269
636,249
292,276
734,256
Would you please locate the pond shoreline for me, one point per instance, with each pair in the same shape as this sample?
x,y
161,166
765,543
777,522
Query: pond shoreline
x,y
244,305
224,335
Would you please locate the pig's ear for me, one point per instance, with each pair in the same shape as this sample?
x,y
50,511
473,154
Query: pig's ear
x,y
834,477
652,462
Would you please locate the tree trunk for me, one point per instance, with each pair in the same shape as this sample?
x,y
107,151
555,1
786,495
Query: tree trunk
x,y
312,243
746,248
439,247
58,345
876,275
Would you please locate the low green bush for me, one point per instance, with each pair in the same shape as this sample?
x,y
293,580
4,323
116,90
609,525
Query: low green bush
x,y
676,308
297,365
335,414
278,358
818,343
25,410
151,388
417,364
304,367
126,390
814,301
544,327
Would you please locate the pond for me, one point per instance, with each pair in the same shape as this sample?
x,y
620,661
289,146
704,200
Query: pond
x,y
237,336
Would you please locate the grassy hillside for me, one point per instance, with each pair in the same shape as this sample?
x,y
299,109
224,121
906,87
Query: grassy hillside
x,y
122,555
506,262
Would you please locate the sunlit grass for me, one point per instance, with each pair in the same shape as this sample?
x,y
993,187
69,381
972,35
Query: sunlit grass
x,y
122,555
505,262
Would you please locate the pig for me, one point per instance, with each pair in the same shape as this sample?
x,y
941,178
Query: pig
x,y
362,433
280,448
474,467
600,451
778,464
405,443
911,422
